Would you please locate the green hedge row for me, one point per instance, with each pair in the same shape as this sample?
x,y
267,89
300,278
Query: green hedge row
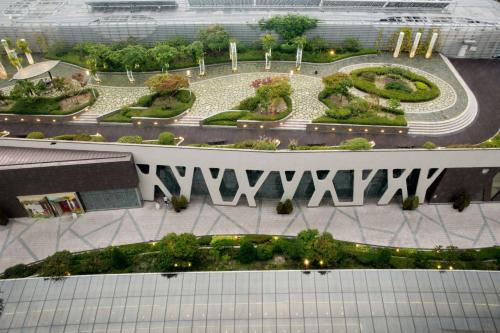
x,y
420,95
370,119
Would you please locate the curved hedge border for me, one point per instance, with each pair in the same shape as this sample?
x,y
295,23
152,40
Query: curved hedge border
x,y
230,118
416,96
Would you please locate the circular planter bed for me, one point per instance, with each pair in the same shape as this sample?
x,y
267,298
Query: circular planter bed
x,y
394,83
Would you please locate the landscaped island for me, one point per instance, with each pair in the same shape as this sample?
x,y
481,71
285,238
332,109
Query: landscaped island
x,y
392,82
59,96
169,99
271,102
346,108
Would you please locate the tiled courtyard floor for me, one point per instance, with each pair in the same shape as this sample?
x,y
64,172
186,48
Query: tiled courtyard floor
x,y
26,240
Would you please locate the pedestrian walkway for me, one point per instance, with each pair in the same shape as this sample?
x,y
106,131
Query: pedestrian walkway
x,y
26,240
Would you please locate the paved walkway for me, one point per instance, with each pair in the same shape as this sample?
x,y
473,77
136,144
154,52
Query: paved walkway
x,y
26,240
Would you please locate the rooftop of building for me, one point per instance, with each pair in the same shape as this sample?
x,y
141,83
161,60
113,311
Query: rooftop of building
x,y
15,157
78,12
292,301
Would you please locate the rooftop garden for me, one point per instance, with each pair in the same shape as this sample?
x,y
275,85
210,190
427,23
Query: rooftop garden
x,y
271,102
346,108
308,250
60,96
170,97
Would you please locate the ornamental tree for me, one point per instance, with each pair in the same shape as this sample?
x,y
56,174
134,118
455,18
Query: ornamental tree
x,y
166,84
268,42
289,26
338,83
215,37
163,55
132,56
22,45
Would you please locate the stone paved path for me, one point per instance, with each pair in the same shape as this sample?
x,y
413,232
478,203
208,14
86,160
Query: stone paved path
x,y
26,240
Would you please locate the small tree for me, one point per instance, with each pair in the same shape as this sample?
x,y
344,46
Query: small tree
x,y
177,251
338,83
268,42
22,44
196,50
215,37
247,252
166,84
289,26
163,55
324,250
317,44
132,57
394,105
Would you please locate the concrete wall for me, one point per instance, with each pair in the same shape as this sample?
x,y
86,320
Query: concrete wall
x,y
408,171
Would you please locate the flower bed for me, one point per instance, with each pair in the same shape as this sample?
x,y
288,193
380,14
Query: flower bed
x,y
394,83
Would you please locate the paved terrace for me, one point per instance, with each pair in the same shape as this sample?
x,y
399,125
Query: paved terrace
x,y
480,75
26,240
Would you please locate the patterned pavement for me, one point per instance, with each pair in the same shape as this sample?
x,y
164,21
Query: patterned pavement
x,y
26,240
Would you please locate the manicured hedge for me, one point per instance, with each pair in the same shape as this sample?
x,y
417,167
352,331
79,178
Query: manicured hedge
x,y
80,137
420,95
369,119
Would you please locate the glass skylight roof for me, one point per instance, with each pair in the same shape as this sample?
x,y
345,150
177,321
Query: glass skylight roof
x,y
260,301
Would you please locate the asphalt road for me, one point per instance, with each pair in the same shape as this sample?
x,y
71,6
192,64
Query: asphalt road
x,y
482,76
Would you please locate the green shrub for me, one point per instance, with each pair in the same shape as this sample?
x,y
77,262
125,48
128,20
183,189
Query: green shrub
x,y
369,76
35,135
204,240
461,201
398,85
287,48
264,252
294,249
285,207
130,139
358,105
339,113
166,138
429,145
73,137
183,202
355,144
18,271
351,45
247,252
420,85
184,96
411,202
178,251
118,258
146,101
249,103
56,265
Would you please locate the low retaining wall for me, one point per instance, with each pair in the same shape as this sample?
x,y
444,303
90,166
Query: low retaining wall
x,y
29,118
349,128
